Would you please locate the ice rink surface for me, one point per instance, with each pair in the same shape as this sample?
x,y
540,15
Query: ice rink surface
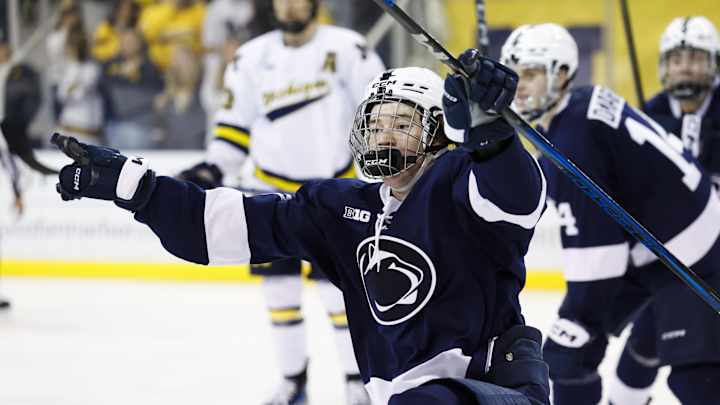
x,y
83,342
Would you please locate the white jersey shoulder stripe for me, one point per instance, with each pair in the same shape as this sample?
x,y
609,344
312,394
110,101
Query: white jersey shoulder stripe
x,y
226,230
448,364
694,242
490,212
595,263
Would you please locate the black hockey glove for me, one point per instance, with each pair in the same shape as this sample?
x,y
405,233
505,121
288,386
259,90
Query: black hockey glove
x,y
205,175
472,106
104,174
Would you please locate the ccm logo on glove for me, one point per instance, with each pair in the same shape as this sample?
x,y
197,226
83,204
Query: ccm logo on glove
x,y
76,179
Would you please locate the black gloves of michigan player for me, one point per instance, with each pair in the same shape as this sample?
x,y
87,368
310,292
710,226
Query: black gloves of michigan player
x,y
472,105
104,174
205,175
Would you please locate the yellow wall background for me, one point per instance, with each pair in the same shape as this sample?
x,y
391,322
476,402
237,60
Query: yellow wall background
x,y
649,19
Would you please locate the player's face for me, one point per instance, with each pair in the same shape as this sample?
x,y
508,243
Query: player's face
x,y
688,65
398,126
292,10
531,88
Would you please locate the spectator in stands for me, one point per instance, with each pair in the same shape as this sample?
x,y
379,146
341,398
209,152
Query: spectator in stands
x,y
181,117
172,23
227,23
70,18
131,83
82,105
106,42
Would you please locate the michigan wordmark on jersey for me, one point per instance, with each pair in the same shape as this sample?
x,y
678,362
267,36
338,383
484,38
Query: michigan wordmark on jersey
x,y
645,169
291,108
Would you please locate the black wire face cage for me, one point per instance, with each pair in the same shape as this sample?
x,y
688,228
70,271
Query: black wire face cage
x,y
389,143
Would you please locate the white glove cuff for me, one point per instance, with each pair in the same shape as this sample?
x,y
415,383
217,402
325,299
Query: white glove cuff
x,y
131,173
454,134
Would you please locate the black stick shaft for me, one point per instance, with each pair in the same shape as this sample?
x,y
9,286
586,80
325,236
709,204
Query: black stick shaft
x,y
482,40
629,37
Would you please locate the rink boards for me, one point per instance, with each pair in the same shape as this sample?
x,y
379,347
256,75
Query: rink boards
x,y
95,239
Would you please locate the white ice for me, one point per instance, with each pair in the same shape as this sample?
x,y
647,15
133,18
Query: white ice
x,y
83,342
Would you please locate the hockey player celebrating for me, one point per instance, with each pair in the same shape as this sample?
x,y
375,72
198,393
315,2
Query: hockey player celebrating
x,y
430,260
609,275
688,107
290,97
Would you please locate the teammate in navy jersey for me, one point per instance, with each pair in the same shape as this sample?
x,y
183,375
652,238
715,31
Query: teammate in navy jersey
x,y
430,260
689,108
609,275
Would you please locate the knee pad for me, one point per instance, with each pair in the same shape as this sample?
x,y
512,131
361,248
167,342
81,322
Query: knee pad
x,y
572,351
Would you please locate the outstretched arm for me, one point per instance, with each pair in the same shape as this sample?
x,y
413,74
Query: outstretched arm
x,y
205,227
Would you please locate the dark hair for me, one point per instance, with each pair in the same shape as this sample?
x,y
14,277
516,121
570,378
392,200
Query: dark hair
x,y
69,8
77,39
134,13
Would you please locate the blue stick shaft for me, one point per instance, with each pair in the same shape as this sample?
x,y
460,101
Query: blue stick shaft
x,y
581,180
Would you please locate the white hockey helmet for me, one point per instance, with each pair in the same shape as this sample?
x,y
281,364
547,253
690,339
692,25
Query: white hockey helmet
x,y
549,46
419,89
696,33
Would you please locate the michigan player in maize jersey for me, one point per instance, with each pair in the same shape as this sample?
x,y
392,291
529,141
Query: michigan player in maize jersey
x,y
290,99
689,108
430,260
609,275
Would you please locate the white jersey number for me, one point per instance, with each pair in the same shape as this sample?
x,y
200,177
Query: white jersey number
x,y
566,219
660,141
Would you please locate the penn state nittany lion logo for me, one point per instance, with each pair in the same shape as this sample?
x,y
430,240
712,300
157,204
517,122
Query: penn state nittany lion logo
x,y
398,277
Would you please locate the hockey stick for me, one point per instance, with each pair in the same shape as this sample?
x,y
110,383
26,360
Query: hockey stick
x,y
381,28
482,40
633,55
581,180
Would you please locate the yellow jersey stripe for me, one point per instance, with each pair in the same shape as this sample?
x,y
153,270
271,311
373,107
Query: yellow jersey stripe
x,y
291,186
277,182
233,135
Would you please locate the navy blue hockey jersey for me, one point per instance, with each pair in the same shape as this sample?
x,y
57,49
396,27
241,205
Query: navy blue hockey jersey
x,y
427,282
645,170
700,132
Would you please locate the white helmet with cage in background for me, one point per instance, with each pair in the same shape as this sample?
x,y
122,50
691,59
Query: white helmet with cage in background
x,y
419,89
697,34
548,46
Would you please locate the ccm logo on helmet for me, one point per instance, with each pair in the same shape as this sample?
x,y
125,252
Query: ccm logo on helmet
x,y
376,162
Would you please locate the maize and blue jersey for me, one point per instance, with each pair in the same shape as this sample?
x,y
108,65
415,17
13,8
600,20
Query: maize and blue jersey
x,y
427,281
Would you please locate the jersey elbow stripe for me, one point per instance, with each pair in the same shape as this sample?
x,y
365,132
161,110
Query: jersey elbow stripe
x,y
236,136
290,185
226,230
595,263
490,212
688,248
